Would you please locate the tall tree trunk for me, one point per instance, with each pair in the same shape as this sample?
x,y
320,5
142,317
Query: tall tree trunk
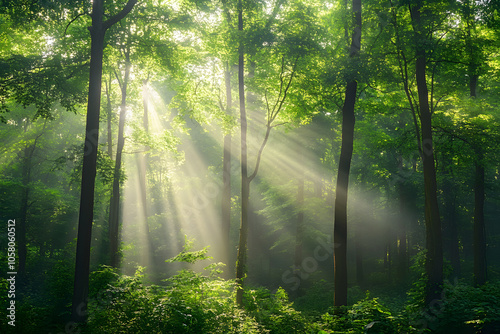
x,y
480,269
114,207
434,260
86,214
340,218
245,184
226,175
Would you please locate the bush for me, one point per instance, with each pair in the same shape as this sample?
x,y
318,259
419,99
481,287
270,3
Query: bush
x,y
189,303
366,316
275,313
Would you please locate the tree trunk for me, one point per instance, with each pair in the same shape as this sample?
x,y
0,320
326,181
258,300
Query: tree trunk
x,y
340,216
245,184
86,214
480,269
114,207
434,260
226,176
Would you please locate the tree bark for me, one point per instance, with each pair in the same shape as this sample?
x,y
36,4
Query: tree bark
x,y
434,260
114,207
245,183
86,213
340,216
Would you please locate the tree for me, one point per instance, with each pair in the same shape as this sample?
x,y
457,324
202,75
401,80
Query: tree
x,y
348,120
85,218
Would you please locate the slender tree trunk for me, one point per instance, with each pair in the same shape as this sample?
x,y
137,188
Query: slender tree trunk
x,y
86,214
245,184
340,216
434,260
114,208
226,175
480,269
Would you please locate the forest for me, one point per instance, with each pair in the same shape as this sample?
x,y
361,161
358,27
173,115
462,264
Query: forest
x,y
250,166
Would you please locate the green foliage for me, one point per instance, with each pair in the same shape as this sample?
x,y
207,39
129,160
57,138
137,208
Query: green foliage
x,y
366,316
189,256
189,302
275,312
466,309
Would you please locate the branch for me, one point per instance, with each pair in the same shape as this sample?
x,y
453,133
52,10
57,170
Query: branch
x,y
276,112
454,135
281,83
119,80
273,115
116,18
267,105
259,155
73,20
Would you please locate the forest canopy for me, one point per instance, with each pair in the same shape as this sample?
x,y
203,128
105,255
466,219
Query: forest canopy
x,y
281,166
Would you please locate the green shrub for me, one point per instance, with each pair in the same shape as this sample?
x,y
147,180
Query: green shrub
x,y
366,316
275,313
190,302
466,309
